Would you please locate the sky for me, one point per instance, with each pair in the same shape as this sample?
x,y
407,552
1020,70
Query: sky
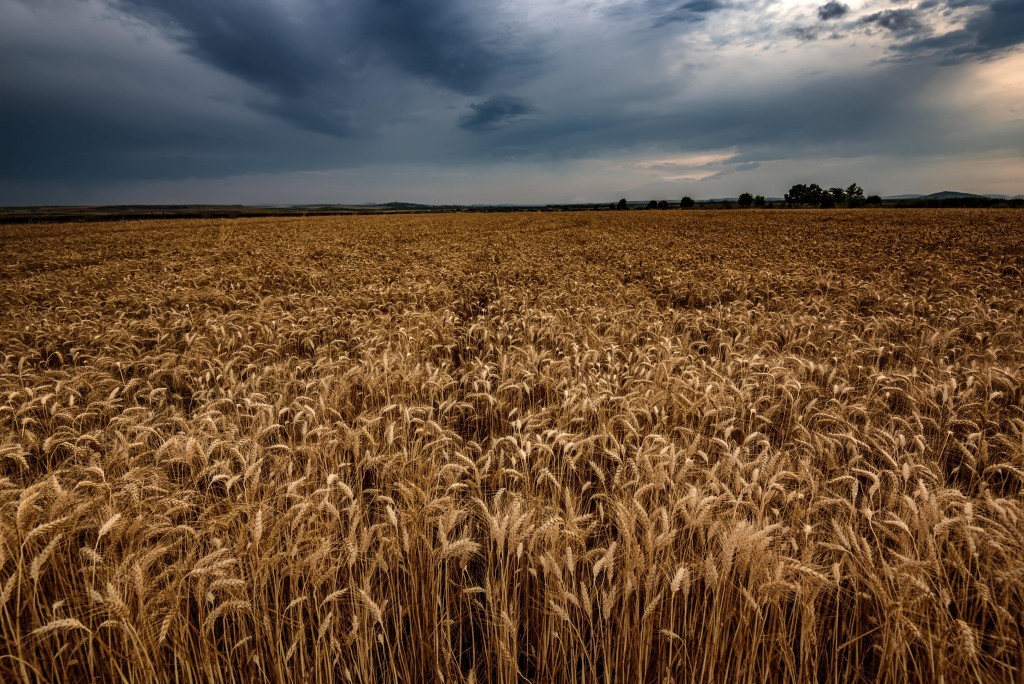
x,y
504,101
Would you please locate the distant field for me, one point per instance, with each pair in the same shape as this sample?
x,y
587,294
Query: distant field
x,y
618,446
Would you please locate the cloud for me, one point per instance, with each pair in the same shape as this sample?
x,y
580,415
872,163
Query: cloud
x,y
89,97
111,93
829,12
665,12
287,57
691,12
803,33
458,46
848,115
994,30
937,31
694,167
899,21
833,10
495,112
312,57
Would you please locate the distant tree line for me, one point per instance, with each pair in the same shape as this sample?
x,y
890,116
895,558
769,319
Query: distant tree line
x,y
799,195
684,203
813,195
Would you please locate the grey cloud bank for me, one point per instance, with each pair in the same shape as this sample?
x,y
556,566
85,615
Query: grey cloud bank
x,y
151,100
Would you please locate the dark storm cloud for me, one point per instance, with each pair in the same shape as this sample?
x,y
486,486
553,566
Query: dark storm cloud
x,y
337,67
495,112
253,40
833,10
992,31
290,59
443,42
141,142
308,55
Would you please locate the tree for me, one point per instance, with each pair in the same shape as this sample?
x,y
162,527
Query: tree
x,y
652,205
622,204
838,196
686,203
873,200
803,195
759,200
746,200
854,195
663,204
827,202
815,194
795,192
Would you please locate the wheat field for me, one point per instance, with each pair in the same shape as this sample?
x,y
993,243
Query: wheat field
x,y
781,446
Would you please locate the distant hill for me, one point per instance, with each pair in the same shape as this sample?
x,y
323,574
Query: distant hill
x,y
951,194
404,205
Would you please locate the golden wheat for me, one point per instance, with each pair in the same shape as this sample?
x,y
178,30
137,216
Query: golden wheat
x,y
643,446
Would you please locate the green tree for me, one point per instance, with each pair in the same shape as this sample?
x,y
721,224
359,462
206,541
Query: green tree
x,y
663,204
838,195
745,200
622,204
758,200
686,203
652,204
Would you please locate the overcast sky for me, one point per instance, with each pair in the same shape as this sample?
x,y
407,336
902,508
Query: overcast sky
x,y
302,101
